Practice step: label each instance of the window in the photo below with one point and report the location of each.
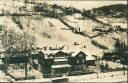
(80, 55)
(63, 62)
(81, 67)
(54, 63)
(77, 61)
(60, 63)
(56, 55)
(83, 61)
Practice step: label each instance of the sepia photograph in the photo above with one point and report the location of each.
(64, 41)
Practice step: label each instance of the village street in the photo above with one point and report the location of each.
(117, 76)
(103, 77)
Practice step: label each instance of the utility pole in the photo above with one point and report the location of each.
(123, 67)
(97, 66)
(25, 36)
(25, 61)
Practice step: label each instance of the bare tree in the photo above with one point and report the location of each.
(13, 42)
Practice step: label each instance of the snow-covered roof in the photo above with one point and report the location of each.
(61, 66)
(76, 52)
(61, 59)
(50, 52)
(90, 57)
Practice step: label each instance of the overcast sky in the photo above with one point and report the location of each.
(87, 4)
(77, 4)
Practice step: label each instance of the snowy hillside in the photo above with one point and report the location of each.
(54, 27)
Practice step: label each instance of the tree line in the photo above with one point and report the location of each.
(13, 42)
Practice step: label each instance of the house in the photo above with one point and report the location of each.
(77, 61)
(55, 63)
(34, 59)
(16, 58)
(45, 62)
(80, 62)
(16, 61)
(46, 67)
(21, 58)
(60, 66)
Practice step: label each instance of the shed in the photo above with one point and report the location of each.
(90, 60)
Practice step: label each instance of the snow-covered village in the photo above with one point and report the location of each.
(63, 41)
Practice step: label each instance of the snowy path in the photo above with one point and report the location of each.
(103, 77)
(117, 76)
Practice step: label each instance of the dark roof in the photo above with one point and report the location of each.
(59, 52)
(78, 52)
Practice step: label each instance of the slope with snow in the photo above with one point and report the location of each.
(49, 33)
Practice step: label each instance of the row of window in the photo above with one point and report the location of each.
(61, 70)
(61, 55)
(80, 61)
(60, 62)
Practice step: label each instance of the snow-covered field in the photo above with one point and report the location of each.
(48, 33)
(103, 77)
(117, 76)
